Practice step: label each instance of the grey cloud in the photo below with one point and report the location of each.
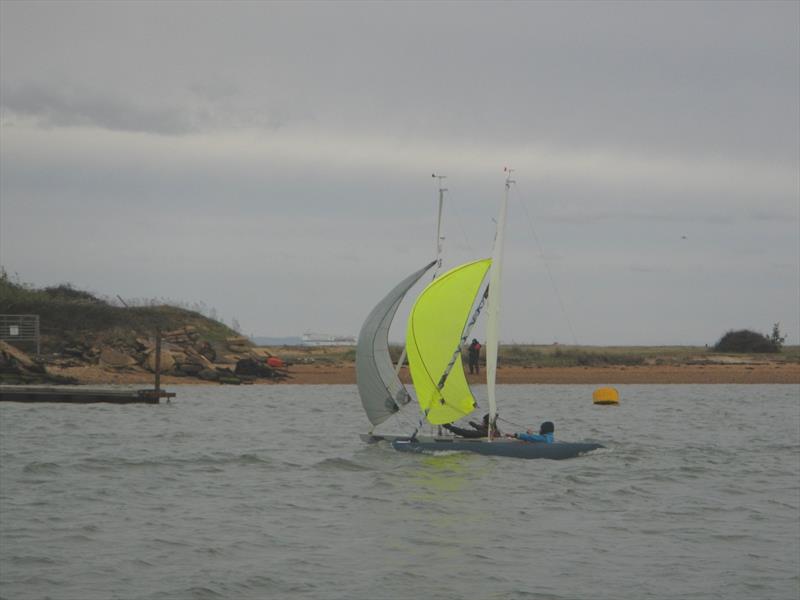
(66, 107)
(205, 108)
(624, 214)
(701, 77)
(214, 90)
(773, 215)
(648, 269)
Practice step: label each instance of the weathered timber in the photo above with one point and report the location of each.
(80, 395)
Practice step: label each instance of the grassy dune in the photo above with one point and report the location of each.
(69, 316)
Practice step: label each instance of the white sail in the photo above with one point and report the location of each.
(380, 388)
(493, 308)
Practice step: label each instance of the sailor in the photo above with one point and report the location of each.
(546, 431)
(478, 430)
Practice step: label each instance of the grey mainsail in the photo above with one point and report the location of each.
(381, 391)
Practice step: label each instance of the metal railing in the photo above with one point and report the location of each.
(20, 328)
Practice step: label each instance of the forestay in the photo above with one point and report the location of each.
(493, 307)
(435, 325)
(381, 391)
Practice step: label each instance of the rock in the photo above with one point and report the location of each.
(17, 368)
(183, 336)
(18, 355)
(173, 333)
(239, 344)
(192, 357)
(115, 359)
(144, 344)
(227, 376)
(245, 366)
(209, 375)
(180, 357)
(255, 367)
(206, 350)
(249, 366)
(167, 362)
(190, 369)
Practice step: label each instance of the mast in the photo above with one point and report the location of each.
(493, 305)
(439, 239)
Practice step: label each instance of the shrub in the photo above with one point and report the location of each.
(776, 337)
(746, 341)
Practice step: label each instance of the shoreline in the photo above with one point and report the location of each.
(345, 374)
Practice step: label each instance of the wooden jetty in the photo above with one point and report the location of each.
(86, 395)
(80, 395)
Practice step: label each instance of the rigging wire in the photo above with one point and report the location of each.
(548, 269)
(517, 425)
(463, 231)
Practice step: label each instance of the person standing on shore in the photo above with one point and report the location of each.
(474, 356)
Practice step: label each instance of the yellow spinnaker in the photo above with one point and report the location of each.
(435, 327)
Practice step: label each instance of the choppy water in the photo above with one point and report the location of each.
(267, 492)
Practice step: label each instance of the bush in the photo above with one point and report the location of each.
(68, 293)
(776, 337)
(746, 341)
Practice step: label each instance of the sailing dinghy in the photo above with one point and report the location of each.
(439, 323)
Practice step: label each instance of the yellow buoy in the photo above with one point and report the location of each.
(605, 395)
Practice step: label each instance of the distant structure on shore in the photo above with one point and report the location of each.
(276, 341)
(324, 339)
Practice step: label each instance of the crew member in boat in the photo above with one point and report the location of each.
(546, 431)
(479, 430)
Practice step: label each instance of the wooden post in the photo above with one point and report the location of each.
(158, 362)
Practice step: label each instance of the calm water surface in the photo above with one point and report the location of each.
(267, 492)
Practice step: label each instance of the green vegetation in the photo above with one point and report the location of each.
(746, 341)
(557, 356)
(68, 316)
(522, 355)
(599, 356)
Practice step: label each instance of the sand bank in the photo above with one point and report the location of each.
(759, 373)
(318, 374)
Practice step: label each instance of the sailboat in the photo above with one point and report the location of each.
(439, 323)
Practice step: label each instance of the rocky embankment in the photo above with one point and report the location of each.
(184, 356)
(17, 367)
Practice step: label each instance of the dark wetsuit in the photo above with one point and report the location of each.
(479, 430)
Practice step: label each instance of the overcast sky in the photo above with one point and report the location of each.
(274, 160)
